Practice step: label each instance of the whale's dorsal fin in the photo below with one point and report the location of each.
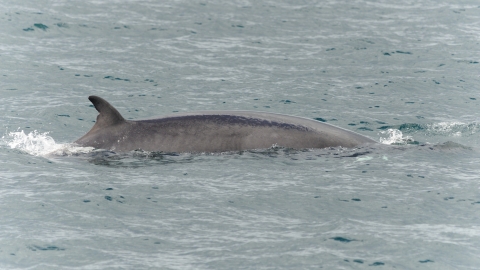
(108, 115)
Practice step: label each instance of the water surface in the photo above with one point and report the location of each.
(402, 73)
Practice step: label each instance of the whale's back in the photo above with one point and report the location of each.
(215, 131)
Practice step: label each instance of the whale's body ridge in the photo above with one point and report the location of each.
(212, 131)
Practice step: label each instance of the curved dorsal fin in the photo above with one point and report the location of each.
(108, 115)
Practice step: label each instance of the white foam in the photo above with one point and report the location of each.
(456, 129)
(395, 136)
(40, 144)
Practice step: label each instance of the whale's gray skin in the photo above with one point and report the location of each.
(212, 131)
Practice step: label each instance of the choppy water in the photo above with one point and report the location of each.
(403, 73)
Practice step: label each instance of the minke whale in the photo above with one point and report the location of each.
(212, 131)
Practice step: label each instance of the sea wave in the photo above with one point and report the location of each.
(403, 134)
(40, 144)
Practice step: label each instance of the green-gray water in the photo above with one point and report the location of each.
(394, 71)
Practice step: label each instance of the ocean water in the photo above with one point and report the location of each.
(404, 73)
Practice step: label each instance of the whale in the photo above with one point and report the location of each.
(212, 131)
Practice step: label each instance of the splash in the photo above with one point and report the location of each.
(395, 136)
(40, 144)
(455, 129)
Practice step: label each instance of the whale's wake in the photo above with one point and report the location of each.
(40, 144)
(395, 137)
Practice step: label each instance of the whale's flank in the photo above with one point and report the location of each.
(212, 131)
